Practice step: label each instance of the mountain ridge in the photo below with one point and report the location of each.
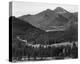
(30, 33)
(49, 17)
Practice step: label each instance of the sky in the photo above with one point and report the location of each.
(23, 8)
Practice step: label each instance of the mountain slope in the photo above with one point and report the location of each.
(23, 29)
(28, 32)
(49, 19)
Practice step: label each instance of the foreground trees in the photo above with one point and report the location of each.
(59, 52)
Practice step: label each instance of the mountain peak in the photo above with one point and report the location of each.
(60, 10)
(48, 10)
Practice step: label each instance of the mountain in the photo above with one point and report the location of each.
(36, 41)
(60, 10)
(23, 29)
(49, 19)
(45, 26)
(75, 14)
(28, 32)
(24, 16)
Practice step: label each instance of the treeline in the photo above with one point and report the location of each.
(23, 51)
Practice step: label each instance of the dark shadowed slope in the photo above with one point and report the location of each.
(23, 29)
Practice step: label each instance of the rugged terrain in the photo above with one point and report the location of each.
(51, 33)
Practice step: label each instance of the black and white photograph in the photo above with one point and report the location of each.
(42, 31)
